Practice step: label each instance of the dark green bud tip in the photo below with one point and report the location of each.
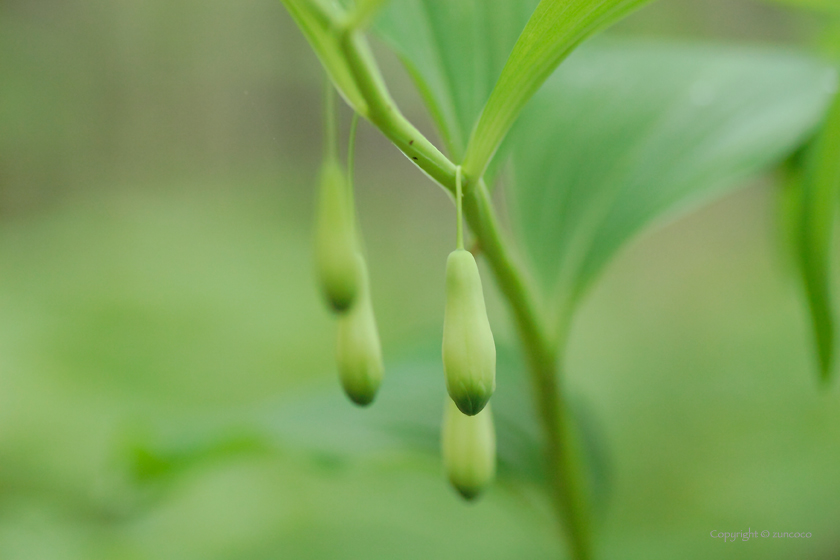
(358, 351)
(469, 352)
(468, 445)
(335, 243)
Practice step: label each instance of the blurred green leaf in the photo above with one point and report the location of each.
(404, 420)
(817, 211)
(147, 462)
(830, 39)
(789, 204)
(627, 132)
(407, 416)
(455, 51)
(554, 30)
(365, 10)
(316, 21)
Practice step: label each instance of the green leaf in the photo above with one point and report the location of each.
(830, 39)
(365, 10)
(317, 22)
(818, 209)
(455, 51)
(627, 132)
(407, 417)
(404, 421)
(554, 30)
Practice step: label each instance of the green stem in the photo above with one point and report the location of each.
(459, 209)
(563, 460)
(569, 495)
(351, 159)
(330, 127)
(540, 349)
(383, 113)
(351, 147)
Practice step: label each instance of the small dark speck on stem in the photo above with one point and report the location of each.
(414, 158)
(411, 142)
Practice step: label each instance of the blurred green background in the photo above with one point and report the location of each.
(157, 162)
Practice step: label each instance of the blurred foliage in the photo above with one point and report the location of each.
(159, 324)
(455, 55)
(818, 186)
(627, 132)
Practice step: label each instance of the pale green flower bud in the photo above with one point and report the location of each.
(469, 352)
(468, 444)
(359, 353)
(335, 242)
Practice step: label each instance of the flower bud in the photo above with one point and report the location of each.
(469, 352)
(468, 444)
(358, 351)
(335, 243)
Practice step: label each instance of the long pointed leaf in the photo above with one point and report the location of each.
(455, 51)
(627, 132)
(405, 419)
(818, 211)
(315, 20)
(554, 30)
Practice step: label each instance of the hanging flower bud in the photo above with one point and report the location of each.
(469, 352)
(335, 240)
(468, 444)
(358, 351)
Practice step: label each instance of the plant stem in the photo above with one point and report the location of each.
(568, 494)
(351, 147)
(540, 349)
(330, 128)
(384, 114)
(351, 165)
(459, 209)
